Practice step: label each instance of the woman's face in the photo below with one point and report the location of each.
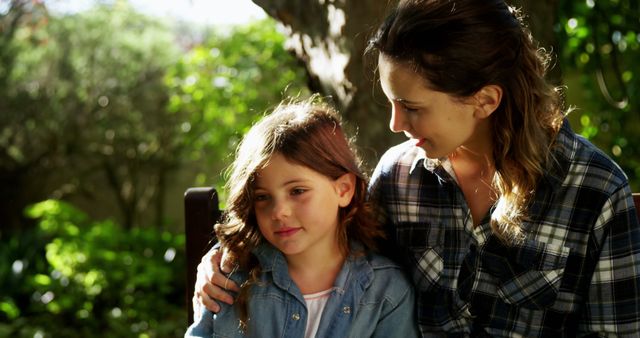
(437, 122)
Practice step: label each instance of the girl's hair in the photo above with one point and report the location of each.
(307, 133)
(459, 47)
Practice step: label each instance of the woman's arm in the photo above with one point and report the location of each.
(211, 282)
(613, 301)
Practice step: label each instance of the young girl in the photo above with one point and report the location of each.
(302, 235)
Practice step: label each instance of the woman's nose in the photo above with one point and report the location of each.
(397, 123)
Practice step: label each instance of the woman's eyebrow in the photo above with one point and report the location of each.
(405, 101)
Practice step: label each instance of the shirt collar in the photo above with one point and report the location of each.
(440, 167)
(356, 264)
(269, 257)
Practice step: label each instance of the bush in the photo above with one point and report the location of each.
(74, 277)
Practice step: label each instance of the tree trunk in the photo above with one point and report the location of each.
(329, 37)
(542, 16)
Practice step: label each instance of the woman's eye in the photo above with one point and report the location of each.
(410, 109)
(297, 191)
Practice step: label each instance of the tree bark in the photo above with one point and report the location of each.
(541, 17)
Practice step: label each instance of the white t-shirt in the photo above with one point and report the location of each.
(315, 306)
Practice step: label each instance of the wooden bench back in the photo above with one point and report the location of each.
(636, 201)
(201, 212)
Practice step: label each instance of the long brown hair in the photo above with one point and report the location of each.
(459, 47)
(307, 133)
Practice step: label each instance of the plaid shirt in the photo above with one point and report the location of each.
(576, 273)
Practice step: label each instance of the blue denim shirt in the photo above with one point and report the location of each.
(371, 298)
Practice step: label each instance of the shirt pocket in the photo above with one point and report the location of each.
(428, 268)
(528, 275)
(424, 245)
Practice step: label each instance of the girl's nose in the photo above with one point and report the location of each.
(397, 123)
(280, 211)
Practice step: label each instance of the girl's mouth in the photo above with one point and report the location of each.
(287, 232)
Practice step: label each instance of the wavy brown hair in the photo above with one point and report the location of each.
(459, 47)
(307, 133)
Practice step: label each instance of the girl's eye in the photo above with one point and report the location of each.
(260, 197)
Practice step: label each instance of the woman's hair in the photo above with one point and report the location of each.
(307, 133)
(459, 47)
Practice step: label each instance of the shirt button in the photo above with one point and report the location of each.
(346, 309)
(295, 316)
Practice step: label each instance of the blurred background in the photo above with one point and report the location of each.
(110, 110)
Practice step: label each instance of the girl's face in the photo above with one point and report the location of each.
(297, 207)
(435, 121)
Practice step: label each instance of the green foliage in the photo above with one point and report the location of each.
(226, 83)
(99, 107)
(90, 278)
(84, 106)
(104, 101)
(599, 53)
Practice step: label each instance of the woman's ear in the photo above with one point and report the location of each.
(345, 188)
(487, 100)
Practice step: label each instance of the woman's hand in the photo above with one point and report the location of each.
(211, 283)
